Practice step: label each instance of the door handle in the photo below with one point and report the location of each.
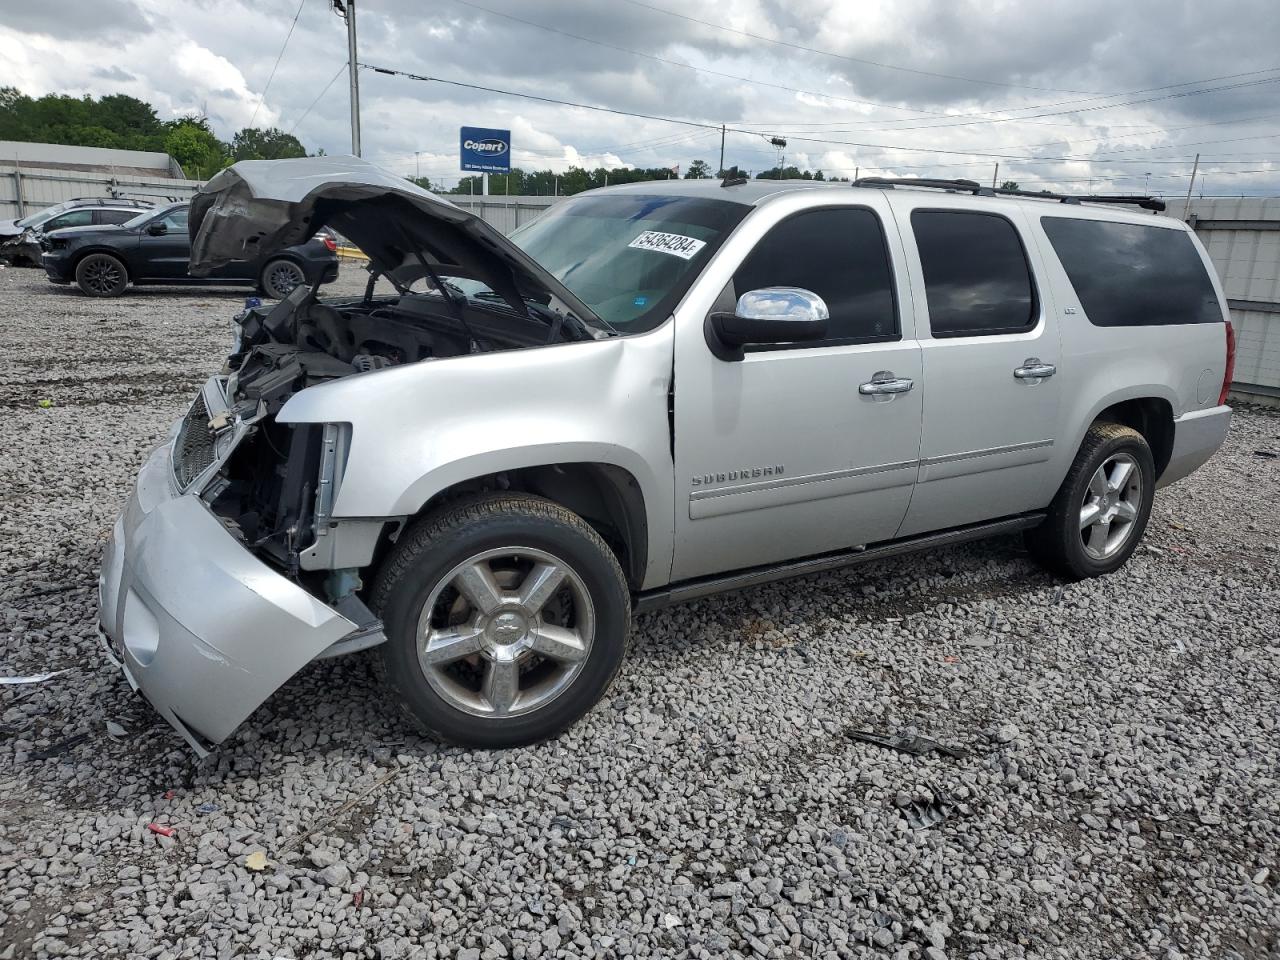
(1034, 369)
(884, 382)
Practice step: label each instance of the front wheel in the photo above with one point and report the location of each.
(507, 618)
(1100, 513)
(101, 275)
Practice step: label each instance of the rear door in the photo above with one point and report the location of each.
(781, 454)
(991, 351)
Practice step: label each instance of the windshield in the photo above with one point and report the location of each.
(47, 213)
(629, 257)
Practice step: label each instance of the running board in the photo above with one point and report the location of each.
(707, 586)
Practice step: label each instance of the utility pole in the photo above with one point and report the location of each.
(1195, 168)
(417, 165)
(995, 176)
(347, 9)
(721, 171)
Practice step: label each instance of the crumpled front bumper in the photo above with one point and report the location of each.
(202, 627)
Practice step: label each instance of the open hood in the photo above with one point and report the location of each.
(256, 207)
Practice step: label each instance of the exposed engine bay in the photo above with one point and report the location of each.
(275, 489)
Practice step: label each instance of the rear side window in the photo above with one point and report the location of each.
(1130, 275)
(840, 254)
(114, 216)
(976, 276)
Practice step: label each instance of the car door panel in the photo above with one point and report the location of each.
(780, 455)
(164, 256)
(988, 438)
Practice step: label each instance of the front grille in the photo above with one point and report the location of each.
(195, 450)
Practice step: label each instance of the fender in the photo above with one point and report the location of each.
(418, 429)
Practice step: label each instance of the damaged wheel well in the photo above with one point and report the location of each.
(605, 496)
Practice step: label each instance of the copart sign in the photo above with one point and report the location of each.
(485, 150)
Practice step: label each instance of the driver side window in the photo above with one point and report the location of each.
(839, 253)
(175, 221)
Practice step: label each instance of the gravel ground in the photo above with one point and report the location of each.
(1117, 795)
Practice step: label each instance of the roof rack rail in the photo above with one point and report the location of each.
(978, 190)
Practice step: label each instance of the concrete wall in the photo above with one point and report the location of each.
(1242, 235)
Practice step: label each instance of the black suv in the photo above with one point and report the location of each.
(154, 247)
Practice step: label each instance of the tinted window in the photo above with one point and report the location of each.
(115, 216)
(976, 276)
(73, 218)
(838, 253)
(1126, 274)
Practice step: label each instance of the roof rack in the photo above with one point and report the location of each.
(978, 190)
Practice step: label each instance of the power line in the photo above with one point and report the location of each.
(297, 122)
(753, 133)
(861, 60)
(275, 66)
(686, 66)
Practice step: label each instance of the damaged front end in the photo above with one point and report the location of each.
(232, 565)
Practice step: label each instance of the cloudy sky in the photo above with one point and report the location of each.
(1093, 93)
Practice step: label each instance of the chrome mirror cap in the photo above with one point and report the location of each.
(782, 303)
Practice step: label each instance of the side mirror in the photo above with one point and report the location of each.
(770, 315)
(157, 229)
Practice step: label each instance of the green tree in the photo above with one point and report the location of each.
(194, 146)
(253, 143)
(698, 170)
(1009, 185)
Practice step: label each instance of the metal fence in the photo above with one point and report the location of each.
(1242, 236)
(505, 213)
(25, 190)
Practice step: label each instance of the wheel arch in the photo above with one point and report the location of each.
(114, 252)
(607, 496)
(1150, 416)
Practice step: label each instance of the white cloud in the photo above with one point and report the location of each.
(187, 58)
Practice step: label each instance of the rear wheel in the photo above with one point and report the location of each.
(279, 277)
(506, 617)
(1099, 515)
(101, 275)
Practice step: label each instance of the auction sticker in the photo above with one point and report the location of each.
(686, 248)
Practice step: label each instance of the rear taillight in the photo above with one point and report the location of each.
(330, 243)
(1231, 363)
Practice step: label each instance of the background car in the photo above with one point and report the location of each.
(155, 248)
(20, 239)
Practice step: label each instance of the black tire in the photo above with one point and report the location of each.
(101, 275)
(1060, 542)
(421, 563)
(280, 276)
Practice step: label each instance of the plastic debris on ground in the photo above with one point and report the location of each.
(31, 678)
(914, 745)
(161, 830)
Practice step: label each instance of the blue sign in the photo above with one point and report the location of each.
(486, 151)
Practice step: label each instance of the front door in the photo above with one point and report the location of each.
(781, 455)
(991, 352)
(165, 255)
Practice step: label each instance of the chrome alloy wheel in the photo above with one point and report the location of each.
(505, 632)
(1111, 506)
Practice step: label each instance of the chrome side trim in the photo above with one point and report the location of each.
(804, 478)
(760, 495)
(969, 462)
(986, 452)
(742, 579)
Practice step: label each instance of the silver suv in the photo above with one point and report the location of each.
(651, 393)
